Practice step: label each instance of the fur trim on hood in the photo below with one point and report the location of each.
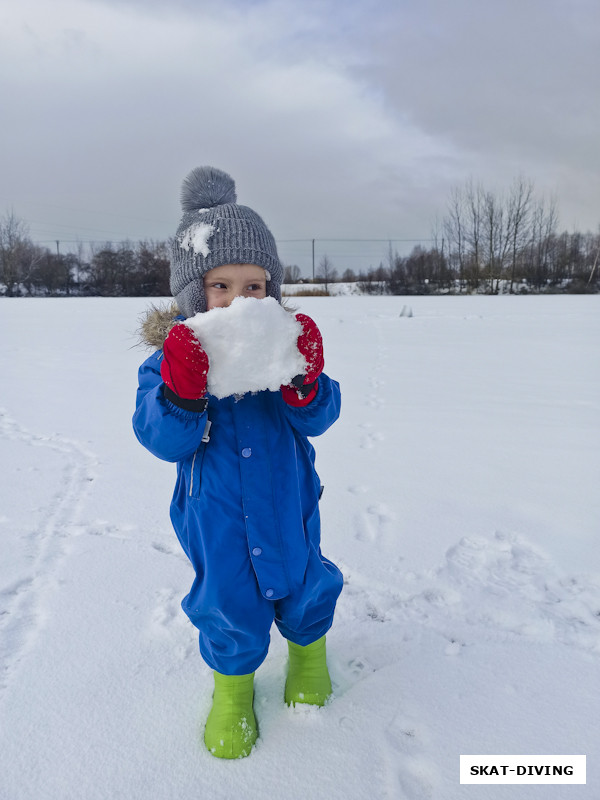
(157, 323)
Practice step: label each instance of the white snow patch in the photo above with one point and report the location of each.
(461, 503)
(251, 346)
(196, 238)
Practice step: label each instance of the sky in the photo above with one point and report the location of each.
(337, 120)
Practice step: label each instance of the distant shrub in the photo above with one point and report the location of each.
(582, 287)
(305, 293)
(373, 287)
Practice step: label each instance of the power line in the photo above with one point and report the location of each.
(342, 239)
(301, 251)
(278, 241)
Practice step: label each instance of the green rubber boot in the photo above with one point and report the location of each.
(308, 678)
(231, 728)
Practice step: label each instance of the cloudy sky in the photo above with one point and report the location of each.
(338, 119)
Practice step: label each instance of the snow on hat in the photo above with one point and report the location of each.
(213, 231)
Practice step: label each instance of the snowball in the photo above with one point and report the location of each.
(196, 237)
(251, 346)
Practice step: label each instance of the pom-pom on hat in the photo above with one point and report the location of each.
(213, 231)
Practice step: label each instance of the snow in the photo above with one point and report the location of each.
(334, 289)
(196, 237)
(461, 502)
(251, 346)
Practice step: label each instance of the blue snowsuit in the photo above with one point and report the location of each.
(245, 510)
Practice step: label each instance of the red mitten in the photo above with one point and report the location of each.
(304, 388)
(185, 364)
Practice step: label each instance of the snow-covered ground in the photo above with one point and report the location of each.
(334, 289)
(461, 501)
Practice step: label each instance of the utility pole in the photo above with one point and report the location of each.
(313, 259)
(594, 267)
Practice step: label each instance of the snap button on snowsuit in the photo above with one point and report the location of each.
(256, 551)
(247, 452)
(269, 593)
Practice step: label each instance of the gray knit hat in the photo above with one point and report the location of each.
(213, 231)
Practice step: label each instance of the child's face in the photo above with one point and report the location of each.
(222, 284)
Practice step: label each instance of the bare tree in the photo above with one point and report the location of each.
(454, 228)
(291, 274)
(474, 197)
(18, 254)
(463, 228)
(325, 272)
(489, 234)
(519, 221)
(497, 236)
(543, 229)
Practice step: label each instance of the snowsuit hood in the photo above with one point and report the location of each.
(156, 324)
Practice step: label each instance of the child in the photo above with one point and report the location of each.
(245, 506)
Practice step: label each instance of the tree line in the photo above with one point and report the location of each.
(486, 242)
(125, 269)
(568, 262)
(512, 239)
(490, 242)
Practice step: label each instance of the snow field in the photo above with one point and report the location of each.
(460, 502)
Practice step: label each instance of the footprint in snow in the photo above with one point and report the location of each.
(370, 440)
(168, 550)
(46, 546)
(168, 623)
(351, 489)
(345, 675)
(374, 400)
(373, 522)
(503, 583)
(408, 765)
(109, 530)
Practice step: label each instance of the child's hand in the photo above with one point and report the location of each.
(185, 364)
(310, 344)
